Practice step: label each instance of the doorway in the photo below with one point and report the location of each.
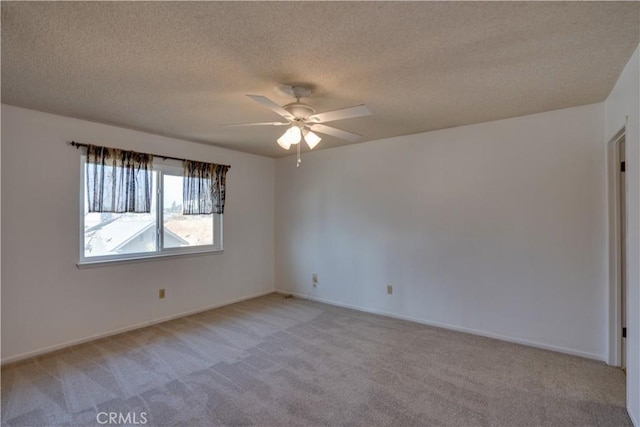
(617, 250)
(623, 252)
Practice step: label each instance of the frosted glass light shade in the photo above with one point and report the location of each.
(291, 136)
(284, 144)
(311, 138)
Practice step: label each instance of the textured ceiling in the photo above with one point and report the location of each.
(182, 68)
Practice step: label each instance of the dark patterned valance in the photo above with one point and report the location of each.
(118, 181)
(204, 188)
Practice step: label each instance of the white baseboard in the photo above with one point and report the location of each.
(526, 342)
(633, 420)
(45, 350)
(313, 298)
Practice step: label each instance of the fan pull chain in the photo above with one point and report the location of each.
(299, 161)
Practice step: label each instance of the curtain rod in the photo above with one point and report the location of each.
(78, 145)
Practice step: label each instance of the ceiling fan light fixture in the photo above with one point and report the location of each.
(291, 136)
(302, 119)
(311, 138)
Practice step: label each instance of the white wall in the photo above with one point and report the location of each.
(497, 228)
(624, 104)
(47, 301)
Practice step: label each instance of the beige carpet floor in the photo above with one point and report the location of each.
(278, 362)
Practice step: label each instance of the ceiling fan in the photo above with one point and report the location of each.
(303, 120)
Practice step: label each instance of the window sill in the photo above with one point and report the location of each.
(155, 257)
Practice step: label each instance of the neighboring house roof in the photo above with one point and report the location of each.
(114, 234)
(197, 230)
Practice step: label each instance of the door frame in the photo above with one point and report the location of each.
(615, 283)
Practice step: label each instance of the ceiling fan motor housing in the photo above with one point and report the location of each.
(300, 110)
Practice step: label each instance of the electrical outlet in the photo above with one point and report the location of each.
(161, 294)
(314, 279)
(390, 289)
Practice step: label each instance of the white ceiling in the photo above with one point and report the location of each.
(182, 68)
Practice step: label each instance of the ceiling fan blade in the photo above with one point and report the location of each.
(342, 134)
(254, 124)
(344, 113)
(272, 105)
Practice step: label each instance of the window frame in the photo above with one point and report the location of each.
(160, 170)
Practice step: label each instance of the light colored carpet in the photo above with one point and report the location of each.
(277, 362)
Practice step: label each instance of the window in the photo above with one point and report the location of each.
(164, 231)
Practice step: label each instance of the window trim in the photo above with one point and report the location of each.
(161, 253)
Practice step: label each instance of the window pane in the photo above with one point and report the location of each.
(120, 233)
(183, 230)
